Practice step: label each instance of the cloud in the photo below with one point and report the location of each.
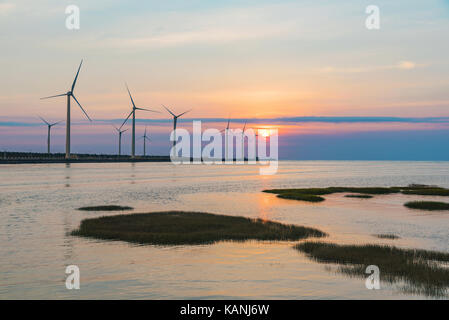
(6, 7)
(402, 65)
(407, 65)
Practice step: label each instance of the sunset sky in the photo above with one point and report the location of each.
(271, 62)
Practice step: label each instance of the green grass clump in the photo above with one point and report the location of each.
(428, 192)
(427, 205)
(106, 208)
(422, 271)
(423, 189)
(361, 196)
(179, 227)
(312, 194)
(386, 236)
(299, 196)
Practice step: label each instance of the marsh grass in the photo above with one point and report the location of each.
(106, 208)
(427, 205)
(361, 196)
(424, 272)
(386, 236)
(179, 227)
(313, 194)
(299, 196)
(428, 192)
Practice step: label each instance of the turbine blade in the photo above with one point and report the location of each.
(126, 118)
(124, 130)
(169, 111)
(244, 127)
(53, 124)
(82, 108)
(43, 120)
(134, 106)
(58, 95)
(147, 110)
(184, 113)
(76, 77)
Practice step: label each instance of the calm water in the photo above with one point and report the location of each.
(38, 208)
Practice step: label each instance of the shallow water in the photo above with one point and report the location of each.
(38, 208)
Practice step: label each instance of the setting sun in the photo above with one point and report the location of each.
(264, 132)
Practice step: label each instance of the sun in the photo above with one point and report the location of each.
(264, 132)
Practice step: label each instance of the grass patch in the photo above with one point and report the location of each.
(428, 192)
(179, 227)
(302, 197)
(427, 205)
(106, 208)
(361, 196)
(422, 271)
(386, 236)
(313, 194)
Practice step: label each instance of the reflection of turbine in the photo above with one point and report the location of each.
(145, 138)
(133, 112)
(119, 139)
(175, 120)
(69, 94)
(48, 133)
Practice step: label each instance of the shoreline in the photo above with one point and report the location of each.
(111, 160)
(42, 158)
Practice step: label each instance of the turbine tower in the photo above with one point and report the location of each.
(243, 141)
(69, 95)
(175, 121)
(48, 134)
(145, 138)
(133, 113)
(119, 139)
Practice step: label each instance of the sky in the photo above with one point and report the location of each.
(311, 69)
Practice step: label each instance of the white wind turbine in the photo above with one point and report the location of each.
(120, 132)
(175, 121)
(69, 95)
(226, 131)
(145, 138)
(133, 113)
(49, 125)
(243, 141)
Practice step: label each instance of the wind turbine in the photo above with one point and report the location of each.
(133, 112)
(48, 134)
(175, 120)
(243, 141)
(145, 138)
(226, 130)
(119, 139)
(69, 95)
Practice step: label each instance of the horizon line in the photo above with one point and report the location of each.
(300, 119)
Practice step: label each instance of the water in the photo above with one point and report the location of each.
(38, 209)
